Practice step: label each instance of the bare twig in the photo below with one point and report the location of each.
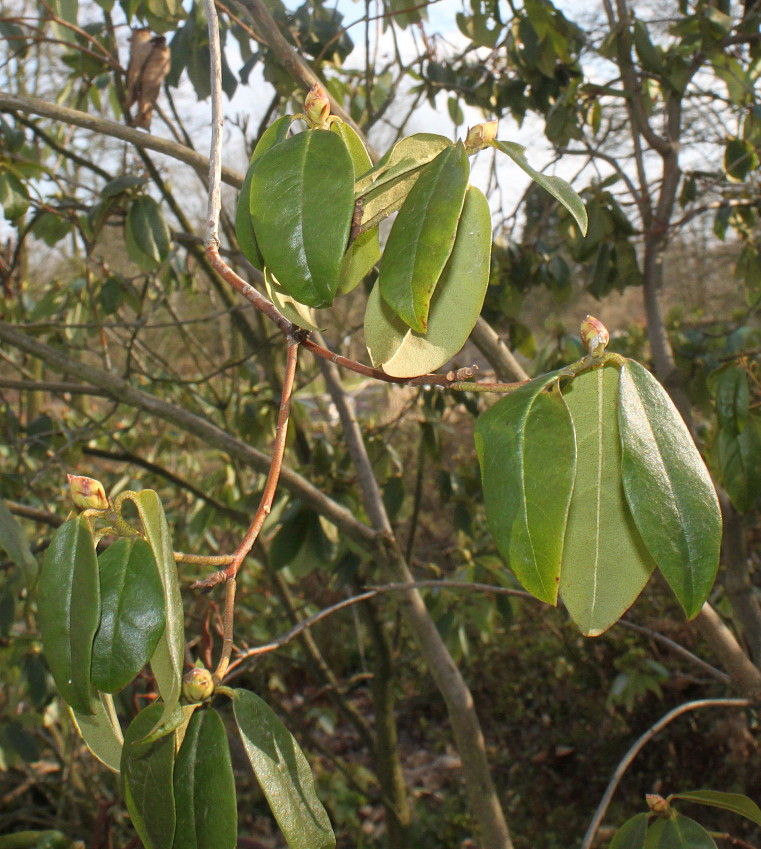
(637, 747)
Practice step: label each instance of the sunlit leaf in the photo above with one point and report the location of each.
(422, 237)
(204, 786)
(455, 305)
(734, 802)
(302, 202)
(294, 311)
(526, 447)
(605, 562)
(69, 610)
(283, 774)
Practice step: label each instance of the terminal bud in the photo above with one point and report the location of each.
(481, 136)
(594, 335)
(197, 685)
(87, 493)
(317, 106)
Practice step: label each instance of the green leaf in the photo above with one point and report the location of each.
(132, 617)
(740, 159)
(384, 187)
(147, 769)
(556, 186)
(244, 228)
(455, 305)
(632, 834)
(204, 787)
(146, 235)
(302, 202)
(283, 774)
(526, 447)
(678, 832)
(739, 459)
(364, 251)
(668, 488)
(14, 198)
(13, 540)
(299, 314)
(168, 658)
(649, 55)
(734, 802)
(101, 732)
(69, 610)
(605, 562)
(422, 237)
(732, 398)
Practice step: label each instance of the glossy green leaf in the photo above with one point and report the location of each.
(283, 774)
(132, 613)
(739, 458)
(605, 562)
(302, 203)
(298, 313)
(204, 787)
(678, 832)
(147, 770)
(168, 658)
(364, 250)
(734, 802)
(146, 235)
(732, 398)
(69, 610)
(384, 188)
(455, 305)
(527, 450)
(557, 187)
(13, 540)
(101, 732)
(632, 834)
(244, 228)
(668, 488)
(422, 237)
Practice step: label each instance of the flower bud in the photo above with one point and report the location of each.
(197, 685)
(481, 136)
(317, 106)
(656, 803)
(594, 335)
(87, 493)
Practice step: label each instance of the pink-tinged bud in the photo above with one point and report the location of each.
(594, 335)
(317, 106)
(197, 685)
(657, 804)
(481, 136)
(87, 493)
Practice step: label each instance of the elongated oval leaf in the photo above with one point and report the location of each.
(422, 237)
(146, 234)
(204, 787)
(244, 228)
(69, 610)
(632, 834)
(101, 732)
(147, 769)
(735, 802)
(732, 398)
(557, 187)
(668, 488)
(168, 658)
(455, 305)
(678, 832)
(739, 458)
(363, 251)
(132, 613)
(13, 540)
(605, 562)
(283, 773)
(527, 450)
(302, 202)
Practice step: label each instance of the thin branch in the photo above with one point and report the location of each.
(217, 124)
(637, 747)
(102, 126)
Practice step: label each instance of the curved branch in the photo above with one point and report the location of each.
(66, 115)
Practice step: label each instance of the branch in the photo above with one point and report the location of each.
(500, 357)
(66, 115)
(745, 676)
(637, 747)
(209, 433)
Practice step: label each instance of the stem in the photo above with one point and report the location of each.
(637, 747)
(214, 205)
